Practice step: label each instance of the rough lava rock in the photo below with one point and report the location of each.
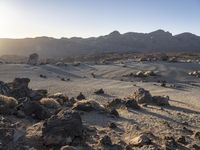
(62, 129)
(34, 109)
(88, 105)
(4, 88)
(80, 96)
(142, 96)
(161, 100)
(19, 88)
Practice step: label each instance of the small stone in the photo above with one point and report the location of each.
(106, 141)
(170, 143)
(114, 112)
(196, 147)
(140, 140)
(132, 104)
(67, 147)
(116, 147)
(182, 140)
(197, 135)
(112, 125)
(80, 96)
(100, 91)
(43, 76)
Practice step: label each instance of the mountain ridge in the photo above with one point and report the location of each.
(156, 41)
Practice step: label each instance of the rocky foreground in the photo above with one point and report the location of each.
(37, 120)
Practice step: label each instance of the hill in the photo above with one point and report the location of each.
(157, 41)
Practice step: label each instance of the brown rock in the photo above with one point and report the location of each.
(63, 128)
(142, 96)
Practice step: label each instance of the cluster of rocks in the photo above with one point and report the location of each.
(56, 127)
(57, 121)
(141, 74)
(143, 96)
(195, 73)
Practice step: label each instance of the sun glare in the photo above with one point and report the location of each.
(8, 17)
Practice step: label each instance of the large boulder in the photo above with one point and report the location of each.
(62, 129)
(33, 59)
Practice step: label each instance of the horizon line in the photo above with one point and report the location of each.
(63, 37)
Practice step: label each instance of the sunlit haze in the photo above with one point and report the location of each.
(85, 18)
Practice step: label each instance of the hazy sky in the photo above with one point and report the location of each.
(67, 18)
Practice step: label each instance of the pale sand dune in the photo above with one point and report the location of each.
(108, 77)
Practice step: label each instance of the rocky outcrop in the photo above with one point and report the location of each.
(33, 59)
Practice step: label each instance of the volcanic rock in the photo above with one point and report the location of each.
(161, 100)
(142, 96)
(34, 109)
(140, 140)
(131, 103)
(62, 129)
(4, 88)
(100, 91)
(80, 96)
(33, 59)
(88, 105)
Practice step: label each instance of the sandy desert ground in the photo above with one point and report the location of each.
(180, 119)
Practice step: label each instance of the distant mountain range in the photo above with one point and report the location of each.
(157, 41)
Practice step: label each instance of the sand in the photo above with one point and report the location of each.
(184, 95)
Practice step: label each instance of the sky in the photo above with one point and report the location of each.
(86, 18)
